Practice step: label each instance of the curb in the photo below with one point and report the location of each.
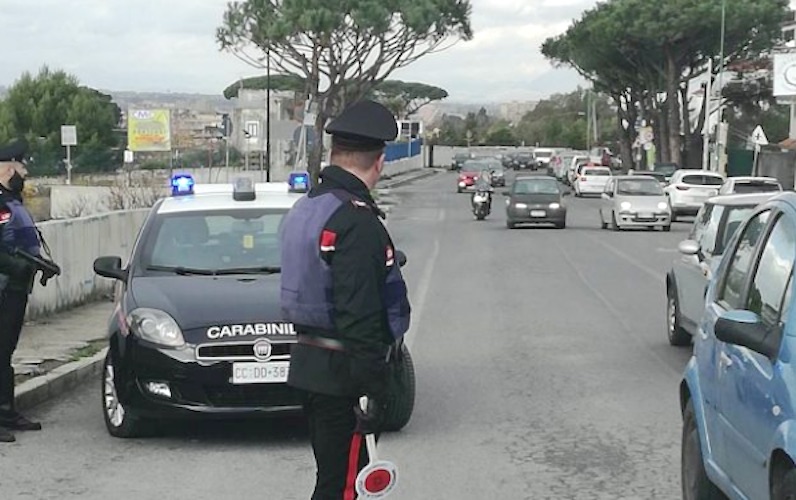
(62, 379)
(400, 182)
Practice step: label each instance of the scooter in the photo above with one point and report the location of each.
(481, 204)
(379, 477)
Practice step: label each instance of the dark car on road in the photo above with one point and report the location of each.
(524, 160)
(198, 329)
(459, 159)
(498, 174)
(536, 200)
(667, 169)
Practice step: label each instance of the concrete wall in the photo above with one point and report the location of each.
(75, 243)
(778, 164)
(443, 155)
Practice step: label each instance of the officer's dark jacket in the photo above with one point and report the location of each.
(358, 257)
(15, 273)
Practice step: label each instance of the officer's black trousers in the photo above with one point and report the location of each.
(339, 453)
(12, 316)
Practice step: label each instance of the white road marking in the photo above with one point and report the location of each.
(651, 272)
(421, 291)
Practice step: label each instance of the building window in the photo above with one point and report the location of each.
(252, 129)
(788, 35)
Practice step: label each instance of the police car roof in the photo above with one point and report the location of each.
(218, 197)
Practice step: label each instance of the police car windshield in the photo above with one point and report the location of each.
(216, 243)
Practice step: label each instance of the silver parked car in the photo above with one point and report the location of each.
(688, 279)
(634, 201)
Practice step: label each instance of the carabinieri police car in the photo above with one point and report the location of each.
(197, 327)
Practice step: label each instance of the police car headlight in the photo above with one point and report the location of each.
(625, 206)
(663, 206)
(155, 326)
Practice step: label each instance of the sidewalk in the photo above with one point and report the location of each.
(58, 352)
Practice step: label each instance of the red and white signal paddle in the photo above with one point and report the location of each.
(379, 477)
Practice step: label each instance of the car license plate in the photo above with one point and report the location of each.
(271, 372)
(538, 213)
(646, 216)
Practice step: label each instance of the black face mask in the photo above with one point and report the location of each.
(16, 184)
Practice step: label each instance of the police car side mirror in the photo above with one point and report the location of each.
(401, 258)
(110, 267)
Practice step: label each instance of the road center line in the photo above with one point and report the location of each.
(613, 311)
(647, 270)
(419, 301)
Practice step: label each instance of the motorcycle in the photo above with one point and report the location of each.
(482, 201)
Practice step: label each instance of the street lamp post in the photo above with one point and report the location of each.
(268, 115)
(719, 145)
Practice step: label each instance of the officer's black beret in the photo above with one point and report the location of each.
(363, 126)
(15, 151)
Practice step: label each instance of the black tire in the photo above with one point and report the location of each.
(613, 224)
(784, 488)
(603, 224)
(561, 225)
(120, 421)
(666, 229)
(675, 333)
(459, 190)
(401, 402)
(695, 482)
(674, 216)
(510, 224)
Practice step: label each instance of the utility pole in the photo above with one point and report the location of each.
(588, 120)
(706, 130)
(719, 143)
(268, 115)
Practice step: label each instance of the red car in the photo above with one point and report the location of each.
(468, 175)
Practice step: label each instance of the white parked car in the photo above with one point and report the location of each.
(688, 190)
(592, 180)
(744, 185)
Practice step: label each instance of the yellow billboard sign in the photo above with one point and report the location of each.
(149, 130)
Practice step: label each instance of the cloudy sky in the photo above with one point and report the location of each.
(169, 45)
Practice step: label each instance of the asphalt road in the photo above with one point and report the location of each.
(543, 373)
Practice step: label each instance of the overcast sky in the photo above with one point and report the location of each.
(169, 45)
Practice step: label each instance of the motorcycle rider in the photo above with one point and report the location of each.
(483, 184)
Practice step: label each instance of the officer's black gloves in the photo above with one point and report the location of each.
(370, 420)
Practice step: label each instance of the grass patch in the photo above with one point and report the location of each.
(91, 349)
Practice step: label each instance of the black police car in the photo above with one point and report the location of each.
(197, 329)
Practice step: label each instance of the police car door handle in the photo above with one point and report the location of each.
(725, 360)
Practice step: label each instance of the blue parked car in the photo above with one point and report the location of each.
(738, 396)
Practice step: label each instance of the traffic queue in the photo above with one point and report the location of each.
(729, 297)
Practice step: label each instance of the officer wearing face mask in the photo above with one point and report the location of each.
(17, 231)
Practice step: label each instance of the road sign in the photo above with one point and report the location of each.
(128, 156)
(68, 135)
(759, 137)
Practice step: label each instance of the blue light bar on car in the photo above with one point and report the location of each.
(182, 185)
(299, 182)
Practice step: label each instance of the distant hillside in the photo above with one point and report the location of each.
(197, 102)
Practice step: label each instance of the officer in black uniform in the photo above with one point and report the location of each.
(338, 260)
(16, 279)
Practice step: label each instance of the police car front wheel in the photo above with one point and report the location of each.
(401, 402)
(119, 420)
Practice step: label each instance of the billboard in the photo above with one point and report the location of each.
(149, 130)
(785, 75)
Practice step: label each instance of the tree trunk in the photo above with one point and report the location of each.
(686, 114)
(661, 129)
(672, 70)
(314, 156)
